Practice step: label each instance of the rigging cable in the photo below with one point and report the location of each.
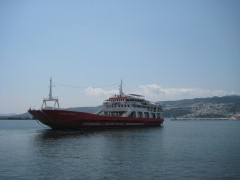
(82, 87)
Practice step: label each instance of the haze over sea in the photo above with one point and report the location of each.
(178, 150)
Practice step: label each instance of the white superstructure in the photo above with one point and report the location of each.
(131, 105)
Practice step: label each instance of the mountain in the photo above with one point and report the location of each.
(28, 115)
(215, 99)
(214, 107)
(10, 114)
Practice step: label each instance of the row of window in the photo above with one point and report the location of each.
(114, 106)
(133, 100)
(134, 114)
(117, 100)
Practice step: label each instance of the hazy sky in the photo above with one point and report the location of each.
(163, 49)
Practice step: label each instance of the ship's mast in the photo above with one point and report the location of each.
(50, 89)
(120, 89)
(50, 98)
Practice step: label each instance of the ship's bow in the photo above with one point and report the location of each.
(42, 117)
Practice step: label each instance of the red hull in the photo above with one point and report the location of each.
(62, 119)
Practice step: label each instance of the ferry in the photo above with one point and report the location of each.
(120, 110)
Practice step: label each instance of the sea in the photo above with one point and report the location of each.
(180, 149)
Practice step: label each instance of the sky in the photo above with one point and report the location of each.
(162, 49)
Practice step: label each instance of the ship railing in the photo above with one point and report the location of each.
(99, 111)
(126, 114)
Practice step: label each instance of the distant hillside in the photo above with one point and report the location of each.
(11, 114)
(16, 116)
(216, 107)
(28, 115)
(215, 99)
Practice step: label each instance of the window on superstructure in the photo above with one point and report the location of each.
(140, 114)
(146, 114)
(153, 115)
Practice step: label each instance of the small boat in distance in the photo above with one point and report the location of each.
(118, 111)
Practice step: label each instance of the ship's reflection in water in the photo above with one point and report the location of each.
(50, 134)
(61, 134)
(97, 153)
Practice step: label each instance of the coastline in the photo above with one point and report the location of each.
(172, 119)
(15, 118)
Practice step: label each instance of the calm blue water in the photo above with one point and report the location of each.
(179, 150)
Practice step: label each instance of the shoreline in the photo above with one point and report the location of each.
(200, 119)
(172, 119)
(16, 118)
